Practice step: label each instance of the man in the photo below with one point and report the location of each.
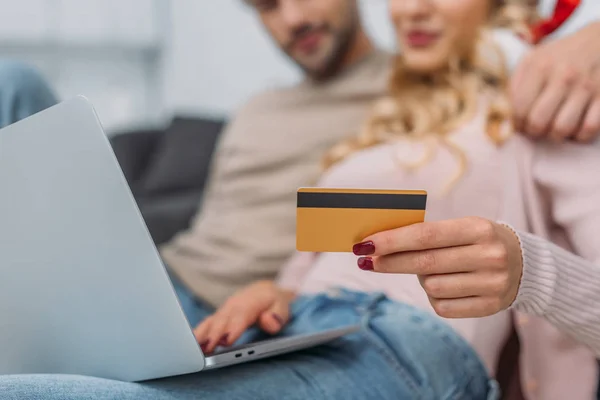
(246, 229)
(22, 92)
(556, 88)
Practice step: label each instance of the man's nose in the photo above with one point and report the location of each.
(293, 13)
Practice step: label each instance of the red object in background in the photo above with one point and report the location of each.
(563, 10)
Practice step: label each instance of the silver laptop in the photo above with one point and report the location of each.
(82, 287)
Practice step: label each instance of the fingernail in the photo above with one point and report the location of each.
(223, 342)
(204, 345)
(364, 249)
(365, 263)
(278, 319)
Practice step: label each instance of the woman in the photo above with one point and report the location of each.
(443, 129)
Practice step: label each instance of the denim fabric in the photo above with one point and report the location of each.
(23, 92)
(402, 353)
(194, 309)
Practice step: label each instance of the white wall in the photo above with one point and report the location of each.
(587, 12)
(142, 60)
(217, 54)
(107, 50)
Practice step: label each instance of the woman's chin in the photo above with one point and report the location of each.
(422, 64)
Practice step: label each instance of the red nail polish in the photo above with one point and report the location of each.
(224, 342)
(364, 249)
(365, 263)
(278, 319)
(204, 345)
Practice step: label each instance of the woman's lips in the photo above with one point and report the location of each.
(421, 38)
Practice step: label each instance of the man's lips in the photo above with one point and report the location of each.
(421, 38)
(308, 42)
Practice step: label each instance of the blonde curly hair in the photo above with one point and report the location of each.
(431, 106)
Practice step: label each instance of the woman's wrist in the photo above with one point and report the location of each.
(539, 275)
(289, 295)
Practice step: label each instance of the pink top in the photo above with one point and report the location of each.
(547, 190)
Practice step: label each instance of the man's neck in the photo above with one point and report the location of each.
(361, 47)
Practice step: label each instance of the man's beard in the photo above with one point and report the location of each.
(343, 40)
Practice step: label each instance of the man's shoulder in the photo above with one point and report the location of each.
(269, 97)
(273, 100)
(368, 76)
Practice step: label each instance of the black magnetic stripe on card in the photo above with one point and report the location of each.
(362, 200)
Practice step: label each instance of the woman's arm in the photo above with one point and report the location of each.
(472, 267)
(293, 273)
(556, 284)
(264, 303)
(562, 288)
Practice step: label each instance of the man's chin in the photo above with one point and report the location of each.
(320, 71)
(320, 65)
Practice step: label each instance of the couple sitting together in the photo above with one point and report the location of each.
(437, 300)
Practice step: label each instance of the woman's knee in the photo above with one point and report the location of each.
(431, 352)
(68, 387)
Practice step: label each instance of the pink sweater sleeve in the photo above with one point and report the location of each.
(293, 273)
(562, 287)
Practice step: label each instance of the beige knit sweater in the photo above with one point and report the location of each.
(246, 228)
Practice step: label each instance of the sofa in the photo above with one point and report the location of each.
(167, 170)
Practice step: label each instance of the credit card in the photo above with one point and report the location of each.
(334, 220)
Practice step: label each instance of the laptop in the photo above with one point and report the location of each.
(82, 287)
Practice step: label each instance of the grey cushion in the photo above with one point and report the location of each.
(167, 215)
(133, 151)
(183, 157)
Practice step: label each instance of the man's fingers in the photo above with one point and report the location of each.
(467, 307)
(590, 128)
(427, 235)
(570, 117)
(526, 85)
(459, 285)
(540, 119)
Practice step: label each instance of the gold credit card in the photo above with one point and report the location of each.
(334, 220)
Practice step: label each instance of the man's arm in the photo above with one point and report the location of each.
(556, 88)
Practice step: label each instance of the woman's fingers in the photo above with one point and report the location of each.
(238, 313)
(201, 332)
(217, 333)
(238, 324)
(275, 318)
(427, 235)
(467, 307)
(428, 262)
(440, 261)
(455, 286)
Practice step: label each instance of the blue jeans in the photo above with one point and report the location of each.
(194, 309)
(402, 353)
(23, 92)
